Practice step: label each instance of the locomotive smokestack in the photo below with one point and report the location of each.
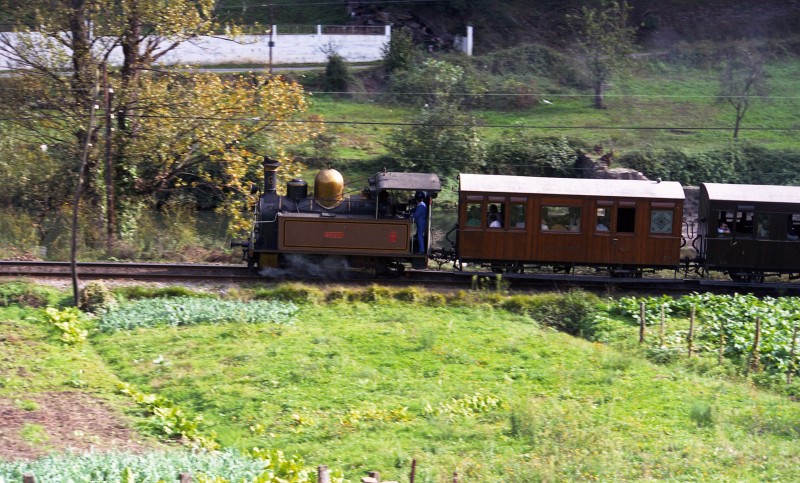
(270, 175)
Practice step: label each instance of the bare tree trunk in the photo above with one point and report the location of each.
(599, 102)
(111, 212)
(76, 205)
(739, 117)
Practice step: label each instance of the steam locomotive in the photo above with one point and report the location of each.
(516, 223)
(371, 229)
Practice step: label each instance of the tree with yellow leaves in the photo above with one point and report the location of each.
(157, 132)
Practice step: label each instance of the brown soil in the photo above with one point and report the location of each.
(63, 421)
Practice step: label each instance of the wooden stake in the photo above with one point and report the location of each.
(754, 363)
(792, 363)
(641, 323)
(690, 336)
(323, 476)
(413, 471)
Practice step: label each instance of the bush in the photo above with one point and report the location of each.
(737, 163)
(572, 313)
(295, 293)
(338, 78)
(399, 53)
(521, 156)
(96, 297)
(25, 295)
(139, 292)
(442, 139)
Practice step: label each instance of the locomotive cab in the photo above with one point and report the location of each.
(368, 228)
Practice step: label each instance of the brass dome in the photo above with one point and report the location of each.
(329, 188)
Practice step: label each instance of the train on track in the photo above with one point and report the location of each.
(623, 228)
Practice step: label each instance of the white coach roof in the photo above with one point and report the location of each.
(613, 188)
(752, 193)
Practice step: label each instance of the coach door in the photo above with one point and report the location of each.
(623, 239)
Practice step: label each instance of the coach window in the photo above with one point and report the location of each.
(497, 212)
(724, 224)
(561, 218)
(661, 215)
(743, 221)
(626, 217)
(793, 227)
(516, 215)
(763, 226)
(474, 212)
(603, 217)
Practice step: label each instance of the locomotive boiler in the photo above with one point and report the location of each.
(368, 229)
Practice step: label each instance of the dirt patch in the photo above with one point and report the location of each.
(58, 421)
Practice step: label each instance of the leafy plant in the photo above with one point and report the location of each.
(70, 322)
(181, 311)
(466, 406)
(170, 421)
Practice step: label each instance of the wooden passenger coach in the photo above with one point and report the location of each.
(750, 230)
(622, 225)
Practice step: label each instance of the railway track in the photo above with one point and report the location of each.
(134, 271)
(166, 272)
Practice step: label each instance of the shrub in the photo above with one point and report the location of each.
(338, 78)
(25, 295)
(701, 414)
(407, 294)
(295, 293)
(518, 155)
(140, 292)
(573, 312)
(96, 297)
(399, 53)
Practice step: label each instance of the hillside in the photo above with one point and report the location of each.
(478, 383)
(505, 23)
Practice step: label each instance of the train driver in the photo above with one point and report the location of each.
(420, 217)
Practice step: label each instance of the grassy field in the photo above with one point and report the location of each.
(370, 380)
(658, 105)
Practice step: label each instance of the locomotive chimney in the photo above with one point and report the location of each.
(270, 175)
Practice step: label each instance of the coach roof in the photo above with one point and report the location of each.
(407, 181)
(612, 188)
(752, 193)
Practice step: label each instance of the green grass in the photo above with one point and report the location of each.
(327, 389)
(460, 386)
(676, 100)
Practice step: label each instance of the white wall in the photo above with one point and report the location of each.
(254, 49)
(288, 49)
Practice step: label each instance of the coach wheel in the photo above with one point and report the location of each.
(748, 277)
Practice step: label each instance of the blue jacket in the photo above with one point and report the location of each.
(420, 215)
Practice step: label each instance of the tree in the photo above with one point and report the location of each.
(604, 41)
(337, 77)
(399, 52)
(442, 138)
(172, 132)
(741, 78)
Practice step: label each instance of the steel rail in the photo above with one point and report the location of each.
(486, 281)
